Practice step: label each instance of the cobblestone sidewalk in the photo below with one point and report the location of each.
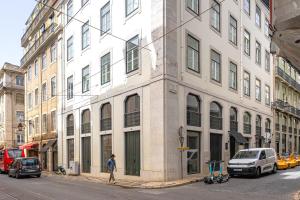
(128, 183)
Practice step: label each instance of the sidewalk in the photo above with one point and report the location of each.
(128, 183)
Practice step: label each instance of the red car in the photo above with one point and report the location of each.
(7, 157)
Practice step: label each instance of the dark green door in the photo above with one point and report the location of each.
(216, 148)
(86, 154)
(132, 153)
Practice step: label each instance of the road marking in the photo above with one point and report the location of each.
(291, 175)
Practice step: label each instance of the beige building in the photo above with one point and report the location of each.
(41, 43)
(205, 82)
(286, 107)
(11, 106)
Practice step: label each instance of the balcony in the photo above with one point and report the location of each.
(283, 128)
(290, 129)
(258, 130)
(40, 42)
(105, 124)
(36, 22)
(234, 126)
(70, 130)
(247, 128)
(288, 79)
(295, 131)
(86, 128)
(267, 130)
(277, 127)
(216, 123)
(132, 119)
(193, 119)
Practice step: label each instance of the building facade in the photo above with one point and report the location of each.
(42, 49)
(160, 74)
(11, 106)
(286, 107)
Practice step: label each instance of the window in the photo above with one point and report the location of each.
(215, 116)
(132, 54)
(258, 53)
(106, 151)
(69, 10)
(258, 16)
(86, 79)
(70, 125)
(258, 121)
(258, 90)
(29, 73)
(193, 111)
(247, 42)
(233, 76)
(44, 123)
(36, 96)
(20, 138)
(20, 80)
(246, 83)
(266, 27)
(215, 15)
(131, 6)
(70, 53)
(53, 52)
(20, 116)
(193, 5)
(44, 60)
(86, 121)
(36, 68)
(85, 35)
(233, 30)
(70, 146)
(20, 99)
(193, 54)
(105, 117)
(53, 120)
(44, 92)
(267, 61)
(70, 87)
(105, 69)
(53, 86)
(36, 125)
(215, 66)
(132, 111)
(267, 95)
(233, 119)
(83, 2)
(105, 18)
(247, 123)
(29, 100)
(246, 6)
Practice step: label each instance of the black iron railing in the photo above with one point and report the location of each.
(283, 128)
(247, 128)
(216, 123)
(258, 130)
(86, 128)
(105, 124)
(290, 129)
(70, 130)
(234, 126)
(132, 119)
(277, 127)
(193, 119)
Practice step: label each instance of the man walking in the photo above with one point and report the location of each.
(111, 166)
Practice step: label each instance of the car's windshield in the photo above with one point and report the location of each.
(14, 153)
(30, 162)
(246, 155)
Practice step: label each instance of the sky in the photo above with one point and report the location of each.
(13, 15)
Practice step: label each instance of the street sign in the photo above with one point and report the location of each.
(183, 148)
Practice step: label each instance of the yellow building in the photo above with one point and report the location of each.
(41, 43)
(286, 107)
(11, 106)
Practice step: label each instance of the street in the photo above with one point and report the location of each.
(280, 186)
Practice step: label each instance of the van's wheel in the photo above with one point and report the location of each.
(274, 169)
(258, 172)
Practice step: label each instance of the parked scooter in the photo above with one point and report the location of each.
(216, 176)
(60, 171)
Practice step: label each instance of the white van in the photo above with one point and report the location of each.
(254, 161)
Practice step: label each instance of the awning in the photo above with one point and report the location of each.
(29, 146)
(47, 146)
(239, 138)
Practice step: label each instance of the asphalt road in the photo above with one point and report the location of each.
(280, 186)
